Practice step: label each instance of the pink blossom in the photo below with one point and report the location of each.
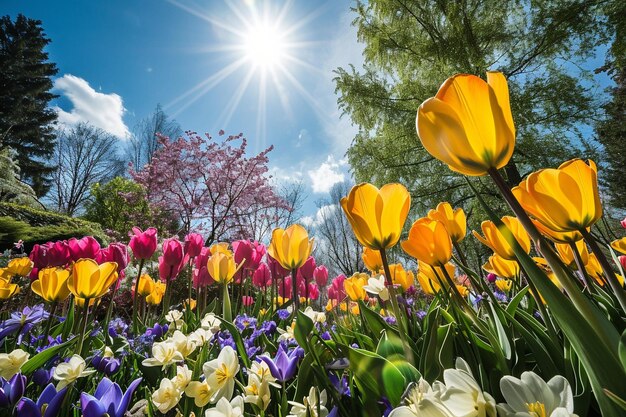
(87, 247)
(143, 244)
(623, 223)
(247, 300)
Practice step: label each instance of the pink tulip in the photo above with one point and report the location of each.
(58, 254)
(623, 223)
(491, 277)
(39, 256)
(262, 277)
(257, 254)
(321, 276)
(622, 260)
(87, 248)
(275, 268)
(117, 252)
(242, 252)
(284, 287)
(201, 276)
(194, 242)
(168, 272)
(314, 291)
(173, 253)
(307, 269)
(143, 244)
(247, 300)
(336, 290)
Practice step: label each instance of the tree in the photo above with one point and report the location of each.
(211, 186)
(144, 142)
(12, 189)
(121, 204)
(337, 246)
(85, 155)
(411, 47)
(26, 121)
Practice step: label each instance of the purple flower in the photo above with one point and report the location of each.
(420, 314)
(500, 296)
(42, 376)
(12, 390)
(22, 322)
(283, 314)
(50, 400)
(244, 321)
(157, 331)
(268, 327)
(106, 364)
(283, 366)
(325, 336)
(108, 399)
(390, 319)
(341, 385)
(117, 327)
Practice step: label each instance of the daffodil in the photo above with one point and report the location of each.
(257, 392)
(163, 354)
(200, 391)
(167, 396)
(11, 363)
(70, 371)
(182, 377)
(468, 124)
(221, 372)
(313, 405)
(531, 396)
(377, 216)
(225, 408)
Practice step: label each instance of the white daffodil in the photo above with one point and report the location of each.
(175, 317)
(315, 316)
(224, 408)
(463, 396)
(200, 391)
(211, 322)
(68, 372)
(220, 373)
(167, 396)
(163, 354)
(201, 337)
(422, 400)
(287, 334)
(11, 363)
(182, 378)
(257, 392)
(376, 286)
(182, 343)
(262, 371)
(531, 396)
(313, 405)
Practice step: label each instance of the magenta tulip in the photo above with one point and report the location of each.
(321, 276)
(242, 252)
(336, 290)
(58, 254)
(314, 291)
(307, 269)
(143, 244)
(623, 223)
(262, 277)
(87, 248)
(201, 276)
(275, 268)
(194, 242)
(173, 253)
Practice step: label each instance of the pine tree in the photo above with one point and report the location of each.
(26, 121)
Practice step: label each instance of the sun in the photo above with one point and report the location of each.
(264, 46)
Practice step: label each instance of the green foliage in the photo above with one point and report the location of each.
(410, 48)
(26, 120)
(120, 204)
(11, 188)
(39, 226)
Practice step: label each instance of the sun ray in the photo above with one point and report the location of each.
(233, 103)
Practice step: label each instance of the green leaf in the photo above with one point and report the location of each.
(502, 336)
(40, 359)
(304, 327)
(241, 348)
(622, 349)
(370, 369)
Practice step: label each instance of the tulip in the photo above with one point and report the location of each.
(429, 242)
(431, 282)
(321, 276)
(11, 391)
(242, 252)
(623, 223)
(468, 124)
(201, 276)
(498, 243)
(314, 291)
(377, 216)
(222, 267)
(453, 219)
(372, 260)
(172, 252)
(291, 247)
(146, 285)
(194, 242)
(8, 290)
(108, 399)
(58, 253)
(276, 269)
(622, 261)
(353, 286)
(567, 255)
(90, 280)
(143, 244)
(156, 296)
(118, 253)
(220, 247)
(501, 267)
(283, 367)
(558, 237)
(401, 277)
(336, 290)
(619, 245)
(261, 277)
(52, 284)
(307, 269)
(504, 285)
(19, 266)
(491, 277)
(564, 199)
(87, 247)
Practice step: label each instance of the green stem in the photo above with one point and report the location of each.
(580, 264)
(168, 293)
(190, 282)
(53, 309)
(226, 309)
(135, 324)
(294, 290)
(84, 327)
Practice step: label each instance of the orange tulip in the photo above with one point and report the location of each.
(372, 260)
(453, 219)
(497, 242)
(429, 242)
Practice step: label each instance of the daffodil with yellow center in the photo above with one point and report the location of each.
(163, 354)
(220, 373)
(11, 363)
(200, 391)
(70, 371)
(167, 396)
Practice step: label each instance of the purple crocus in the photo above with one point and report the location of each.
(283, 366)
(108, 399)
(106, 364)
(12, 390)
(50, 400)
(43, 376)
(157, 331)
(22, 322)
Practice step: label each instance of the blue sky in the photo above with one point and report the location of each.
(200, 60)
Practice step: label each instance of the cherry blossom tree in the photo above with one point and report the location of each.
(211, 185)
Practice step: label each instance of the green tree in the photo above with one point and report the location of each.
(120, 204)
(11, 188)
(411, 47)
(26, 121)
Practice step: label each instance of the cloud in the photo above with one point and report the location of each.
(105, 111)
(322, 213)
(327, 174)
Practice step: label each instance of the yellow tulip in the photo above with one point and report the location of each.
(428, 280)
(619, 245)
(291, 247)
(543, 264)
(377, 216)
(192, 303)
(156, 296)
(429, 242)
(463, 290)
(504, 285)
(19, 266)
(567, 255)
(354, 286)
(372, 260)
(52, 284)
(222, 267)
(90, 280)
(8, 290)
(220, 247)
(468, 125)
(146, 285)
(453, 219)
(495, 240)
(399, 276)
(557, 237)
(503, 268)
(564, 199)
(80, 302)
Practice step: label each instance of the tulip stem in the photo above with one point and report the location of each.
(83, 327)
(294, 290)
(168, 293)
(580, 264)
(396, 308)
(607, 268)
(190, 282)
(226, 309)
(135, 298)
(53, 309)
(107, 318)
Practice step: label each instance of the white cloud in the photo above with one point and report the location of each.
(327, 174)
(320, 215)
(102, 110)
